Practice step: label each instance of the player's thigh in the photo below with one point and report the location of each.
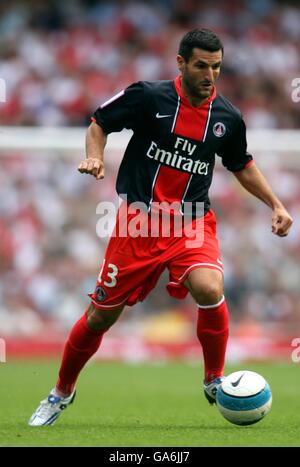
(206, 285)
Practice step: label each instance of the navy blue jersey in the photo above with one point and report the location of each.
(171, 154)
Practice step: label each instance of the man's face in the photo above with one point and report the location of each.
(200, 73)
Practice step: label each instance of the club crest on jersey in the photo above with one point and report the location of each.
(219, 129)
(100, 293)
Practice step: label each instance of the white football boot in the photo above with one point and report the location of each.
(210, 389)
(50, 409)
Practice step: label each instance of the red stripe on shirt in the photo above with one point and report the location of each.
(170, 184)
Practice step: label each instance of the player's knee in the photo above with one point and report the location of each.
(207, 293)
(101, 320)
(205, 286)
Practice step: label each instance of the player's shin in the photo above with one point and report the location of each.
(212, 332)
(82, 343)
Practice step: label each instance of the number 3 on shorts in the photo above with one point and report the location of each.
(110, 274)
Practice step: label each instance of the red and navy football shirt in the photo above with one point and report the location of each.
(171, 154)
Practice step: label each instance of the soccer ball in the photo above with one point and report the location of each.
(244, 397)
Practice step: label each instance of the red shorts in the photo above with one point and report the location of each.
(132, 265)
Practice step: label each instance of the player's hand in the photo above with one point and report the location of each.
(281, 222)
(93, 166)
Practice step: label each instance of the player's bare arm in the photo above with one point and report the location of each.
(253, 181)
(95, 144)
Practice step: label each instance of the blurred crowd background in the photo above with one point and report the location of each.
(60, 60)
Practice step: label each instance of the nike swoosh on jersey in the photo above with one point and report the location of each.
(162, 116)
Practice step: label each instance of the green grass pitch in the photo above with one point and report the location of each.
(121, 404)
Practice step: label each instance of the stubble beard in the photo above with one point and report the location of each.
(194, 90)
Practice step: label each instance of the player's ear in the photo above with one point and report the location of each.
(180, 62)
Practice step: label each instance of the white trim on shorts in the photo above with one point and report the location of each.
(194, 266)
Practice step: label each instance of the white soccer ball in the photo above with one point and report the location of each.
(244, 397)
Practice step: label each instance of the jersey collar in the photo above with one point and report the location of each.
(177, 84)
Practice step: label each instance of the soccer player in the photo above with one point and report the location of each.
(178, 128)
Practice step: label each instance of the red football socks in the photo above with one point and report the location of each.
(82, 343)
(212, 332)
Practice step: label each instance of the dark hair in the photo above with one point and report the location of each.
(201, 38)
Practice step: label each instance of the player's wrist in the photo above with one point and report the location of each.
(95, 156)
(277, 206)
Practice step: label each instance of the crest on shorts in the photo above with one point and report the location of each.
(219, 129)
(100, 293)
